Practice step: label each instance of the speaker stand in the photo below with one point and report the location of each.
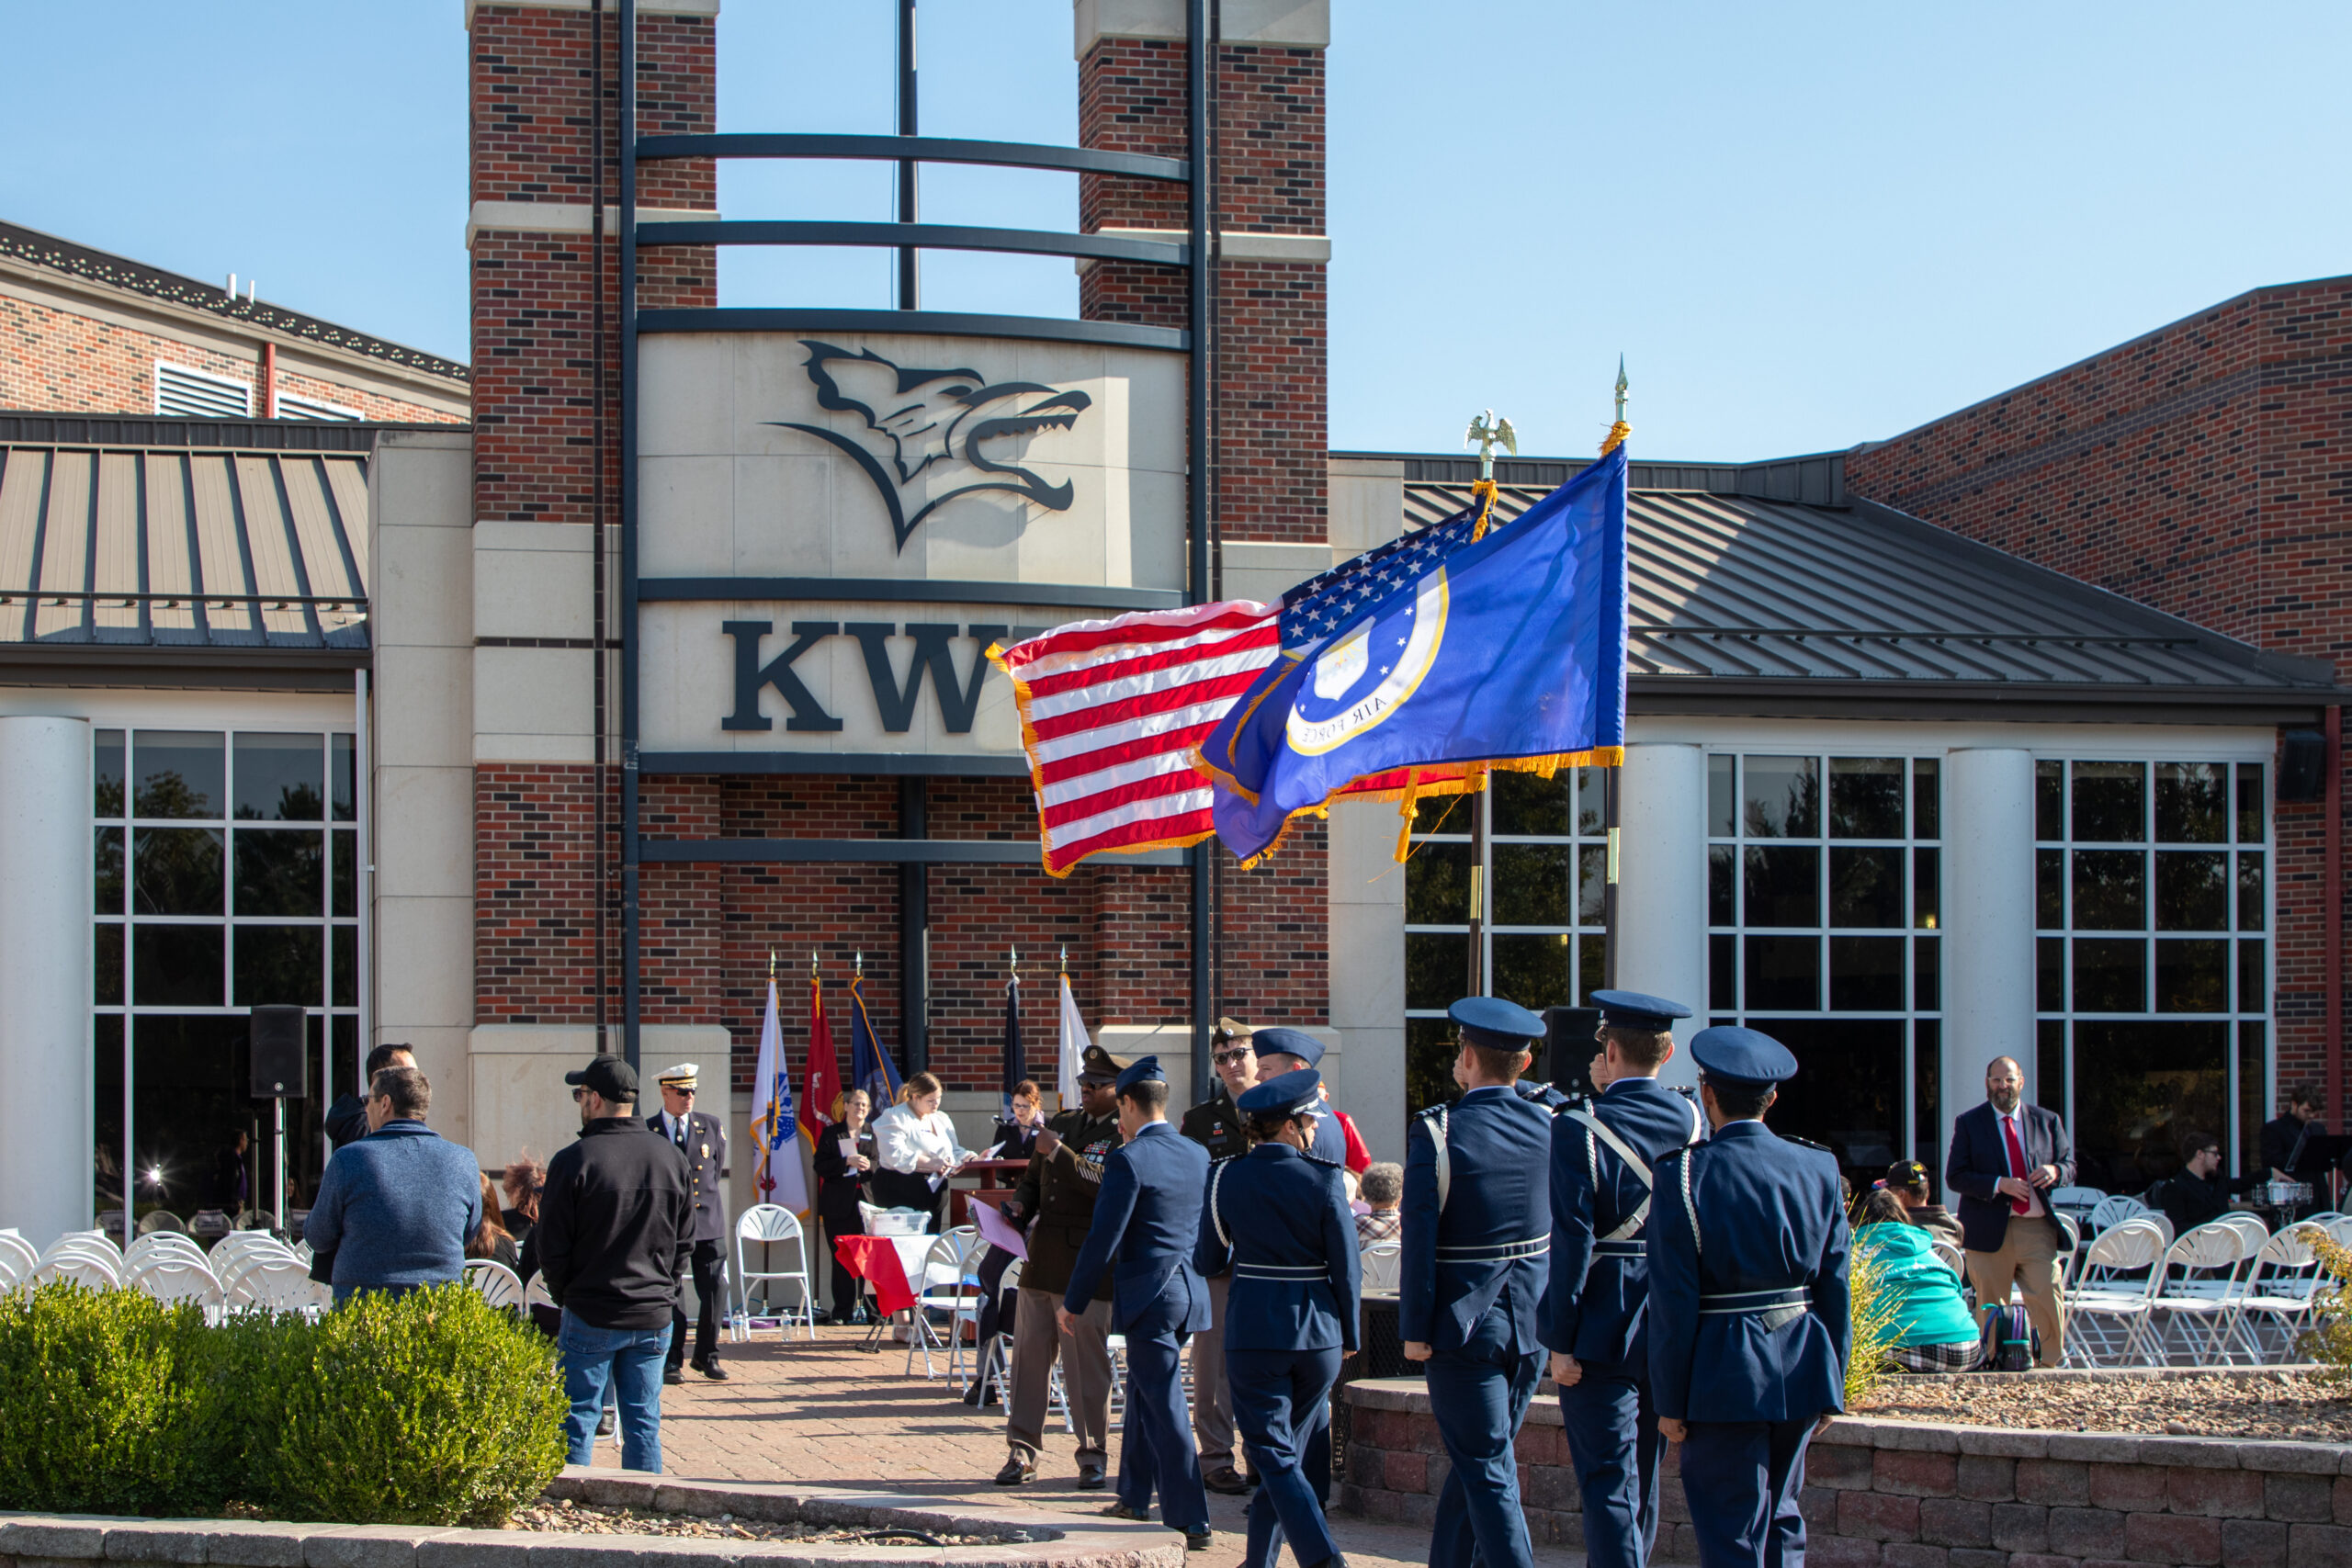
(277, 1109)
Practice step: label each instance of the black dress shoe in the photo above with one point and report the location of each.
(1016, 1470)
(1200, 1539)
(714, 1372)
(1121, 1511)
(972, 1395)
(673, 1374)
(1226, 1480)
(1090, 1478)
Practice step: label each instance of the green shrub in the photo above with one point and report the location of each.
(428, 1408)
(103, 1400)
(2329, 1340)
(432, 1408)
(1872, 1315)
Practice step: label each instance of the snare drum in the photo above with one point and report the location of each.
(2286, 1194)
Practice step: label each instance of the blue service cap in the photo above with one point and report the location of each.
(1292, 1094)
(1288, 1043)
(1494, 1023)
(1634, 1009)
(1742, 1056)
(1145, 1069)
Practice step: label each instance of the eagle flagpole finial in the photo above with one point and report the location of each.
(1487, 432)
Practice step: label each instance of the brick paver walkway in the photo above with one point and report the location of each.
(827, 1414)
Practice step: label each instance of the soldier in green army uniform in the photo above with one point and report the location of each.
(1215, 1124)
(1056, 1202)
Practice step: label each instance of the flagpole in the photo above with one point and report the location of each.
(1611, 788)
(1485, 432)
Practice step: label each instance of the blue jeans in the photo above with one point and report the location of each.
(629, 1360)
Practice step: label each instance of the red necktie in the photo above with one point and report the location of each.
(2017, 1162)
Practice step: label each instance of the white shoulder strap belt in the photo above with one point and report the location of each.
(1435, 1122)
(1216, 1215)
(1595, 1128)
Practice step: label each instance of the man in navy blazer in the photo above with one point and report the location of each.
(2005, 1155)
(1148, 1216)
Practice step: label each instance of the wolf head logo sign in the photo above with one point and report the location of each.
(931, 435)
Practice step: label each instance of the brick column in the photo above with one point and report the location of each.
(533, 109)
(1269, 439)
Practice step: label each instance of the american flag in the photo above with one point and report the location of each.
(1110, 710)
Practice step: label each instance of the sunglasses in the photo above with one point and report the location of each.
(1230, 1058)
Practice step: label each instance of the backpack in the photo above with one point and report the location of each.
(2010, 1345)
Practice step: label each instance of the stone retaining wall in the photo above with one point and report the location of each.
(1912, 1495)
(1024, 1537)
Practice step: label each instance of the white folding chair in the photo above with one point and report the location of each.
(772, 1224)
(17, 1251)
(947, 1285)
(2256, 1233)
(80, 1266)
(2105, 1314)
(996, 1356)
(170, 1278)
(535, 1294)
(1949, 1256)
(496, 1282)
(2280, 1285)
(2207, 1291)
(2083, 1197)
(155, 1244)
(99, 1239)
(1381, 1261)
(263, 1283)
(2113, 1210)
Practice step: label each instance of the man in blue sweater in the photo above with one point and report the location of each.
(395, 1208)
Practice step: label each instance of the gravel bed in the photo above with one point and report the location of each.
(567, 1516)
(2271, 1406)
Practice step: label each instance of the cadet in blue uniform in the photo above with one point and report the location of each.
(1601, 1161)
(1285, 1051)
(1478, 1226)
(1747, 1327)
(1280, 1219)
(1147, 1216)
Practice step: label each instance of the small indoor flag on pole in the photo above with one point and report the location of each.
(1074, 1044)
(774, 1131)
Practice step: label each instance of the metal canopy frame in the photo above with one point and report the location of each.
(908, 237)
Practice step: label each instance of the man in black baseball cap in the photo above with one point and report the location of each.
(615, 1231)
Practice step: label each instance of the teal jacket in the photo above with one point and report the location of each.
(1925, 1292)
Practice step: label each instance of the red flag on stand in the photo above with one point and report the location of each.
(824, 1079)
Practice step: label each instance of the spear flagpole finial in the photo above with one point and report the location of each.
(857, 963)
(1621, 385)
(812, 964)
(1618, 428)
(771, 963)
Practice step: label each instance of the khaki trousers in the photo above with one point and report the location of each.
(2028, 1256)
(1086, 1376)
(1212, 1396)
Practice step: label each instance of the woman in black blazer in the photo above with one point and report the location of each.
(844, 1156)
(1016, 1136)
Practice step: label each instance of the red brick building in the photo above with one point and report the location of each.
(83, 331)
(2205, 469)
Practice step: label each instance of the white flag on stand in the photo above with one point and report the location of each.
(1073, 1051)
(774, 1133)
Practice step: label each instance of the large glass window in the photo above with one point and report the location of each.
(224, 869)
(2152, 987)
(1546, 875)
(1823, 874)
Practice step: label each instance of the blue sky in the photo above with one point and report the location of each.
(1804, 228)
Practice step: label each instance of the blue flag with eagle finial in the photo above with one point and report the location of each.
(1508, 651)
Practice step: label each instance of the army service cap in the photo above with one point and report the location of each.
(1494, 1023)
(1230, 1028)
(1144, 1069)
(1288, 1043)
(1098, 1065)
(685, 1075)
(1296, 1093)
(1635, 1010)
(1742, 1056)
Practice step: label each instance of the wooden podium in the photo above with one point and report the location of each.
(996, 1180)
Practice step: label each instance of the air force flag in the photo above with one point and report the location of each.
(1508, 651)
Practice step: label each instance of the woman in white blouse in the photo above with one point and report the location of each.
(913, 1142)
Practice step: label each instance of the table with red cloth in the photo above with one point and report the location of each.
(886, 1263)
